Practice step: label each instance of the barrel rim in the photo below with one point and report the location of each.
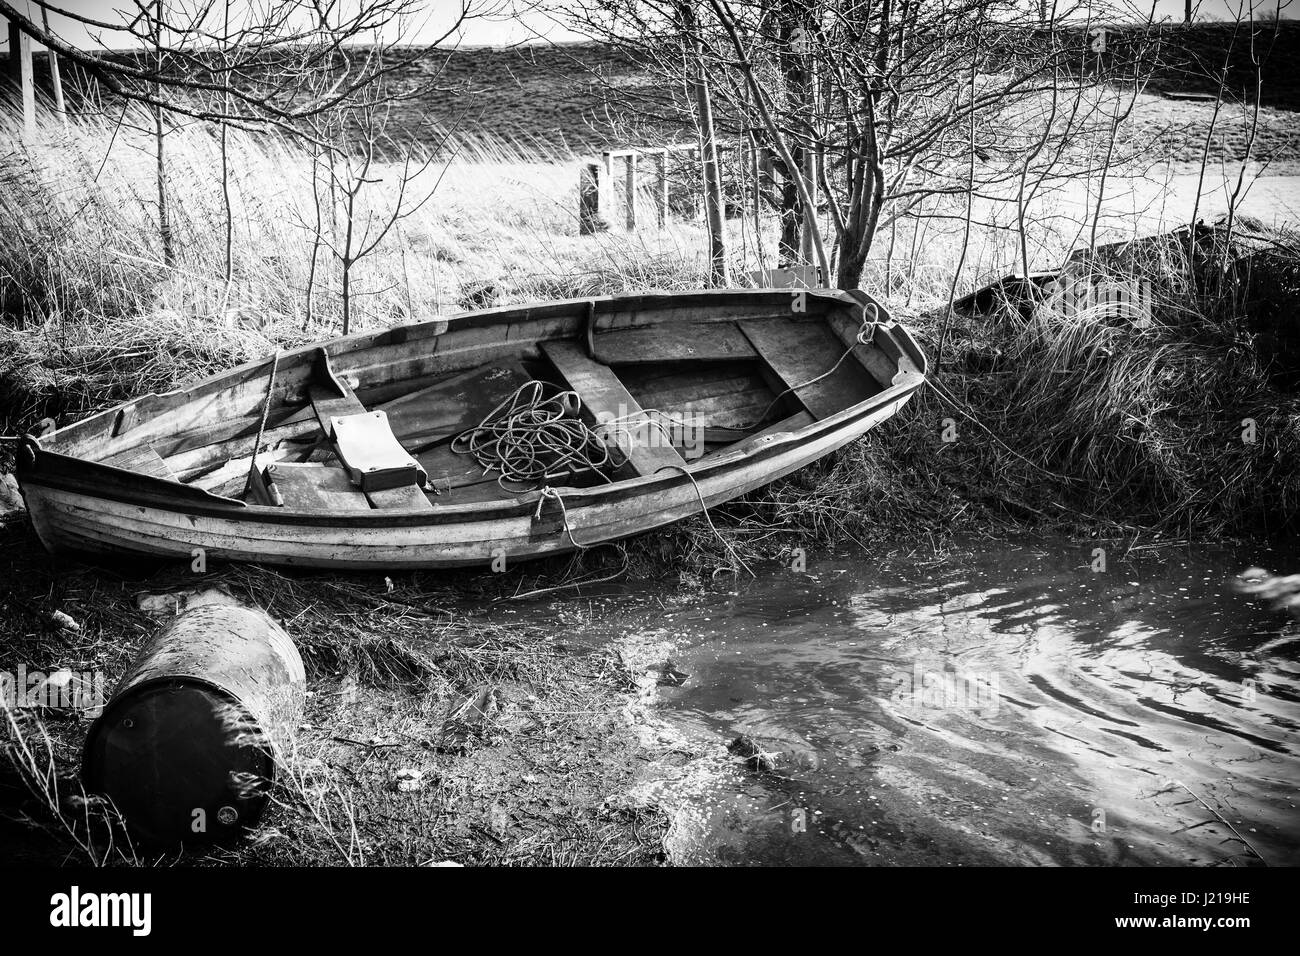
(97, 729)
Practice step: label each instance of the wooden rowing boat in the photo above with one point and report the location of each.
(697, 397)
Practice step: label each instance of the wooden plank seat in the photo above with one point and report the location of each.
(605, 398)
(370, 455)
(691, 342)
(797, 353)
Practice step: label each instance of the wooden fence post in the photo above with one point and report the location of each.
(28, 82)
(661, 186)
(630, 198)
(56, 80)
(20, 66)
(15, 40)
(589, 220)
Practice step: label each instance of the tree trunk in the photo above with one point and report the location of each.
(347, 297)
(712, 185)
(225, 155)
(867, 198)
(796, 82)
(164, 221)
(708, 156)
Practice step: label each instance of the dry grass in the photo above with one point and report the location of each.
(95, 315)
(1185, 424)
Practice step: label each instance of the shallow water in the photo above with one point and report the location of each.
(990, 704)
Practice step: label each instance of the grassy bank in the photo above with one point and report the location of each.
(1046, 419)
(516, 745)
(1180, 424)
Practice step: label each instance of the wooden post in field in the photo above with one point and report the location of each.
(661, 186)
(14, 42)
(56, 81)
(607, 178)
(20, 67)
(608, 188)
(589, 220)
(630, 198)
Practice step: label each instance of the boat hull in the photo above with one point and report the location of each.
(72, 519)
(82, 498)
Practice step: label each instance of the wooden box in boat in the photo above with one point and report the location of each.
(771, 387)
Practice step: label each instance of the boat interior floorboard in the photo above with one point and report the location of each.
(143, 460)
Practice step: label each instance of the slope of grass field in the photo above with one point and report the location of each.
(585, 96)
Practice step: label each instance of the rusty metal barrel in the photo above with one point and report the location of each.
(186, 747)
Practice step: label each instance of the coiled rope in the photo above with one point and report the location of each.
(533, 437)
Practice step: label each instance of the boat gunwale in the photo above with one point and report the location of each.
(178, 497)
(340, 346)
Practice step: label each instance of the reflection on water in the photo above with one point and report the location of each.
(992, 705)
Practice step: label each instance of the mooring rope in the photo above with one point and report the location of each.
(550, 494)
(532, 438)
(704, 509)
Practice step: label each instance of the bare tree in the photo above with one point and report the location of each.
(372, 184)
(703, 97)
(156, 12)
(861, 105)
